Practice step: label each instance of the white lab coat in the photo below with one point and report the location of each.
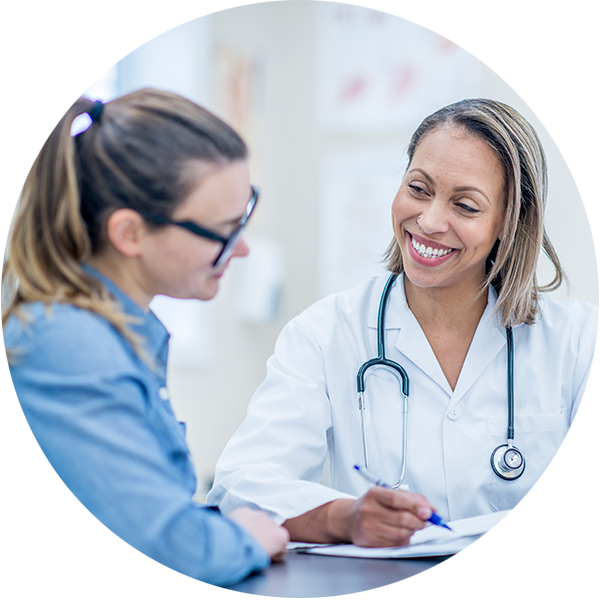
(307, 408)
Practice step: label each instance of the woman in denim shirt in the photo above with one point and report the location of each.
(145, 195)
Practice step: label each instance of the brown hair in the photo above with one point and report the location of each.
(511, 266)
(134, 156)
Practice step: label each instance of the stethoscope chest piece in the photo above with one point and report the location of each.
(508, 462)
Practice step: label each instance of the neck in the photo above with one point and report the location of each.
(121, 270)
(452, 307)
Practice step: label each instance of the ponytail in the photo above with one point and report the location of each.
(49, 242)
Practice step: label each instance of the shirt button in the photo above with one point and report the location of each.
(455, 413)
(163, 393)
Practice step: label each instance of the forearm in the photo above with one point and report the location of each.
(139, 484)
(326, 524)
(204, 545)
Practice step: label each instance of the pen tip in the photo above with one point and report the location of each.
(357, 467)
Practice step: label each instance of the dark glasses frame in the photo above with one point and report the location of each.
(229, 242)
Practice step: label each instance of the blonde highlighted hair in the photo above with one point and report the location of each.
(512, 264)
(134, 156)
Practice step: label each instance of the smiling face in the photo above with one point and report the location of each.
(177, 263)
(449, 210)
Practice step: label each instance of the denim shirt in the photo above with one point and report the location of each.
(102, 417)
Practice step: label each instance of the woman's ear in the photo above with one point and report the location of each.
(124, 229)
(501, 233)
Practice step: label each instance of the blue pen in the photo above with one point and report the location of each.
(372, 478)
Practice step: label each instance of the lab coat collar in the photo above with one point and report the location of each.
(489, 338)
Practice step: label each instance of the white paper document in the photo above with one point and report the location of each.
(431, 541)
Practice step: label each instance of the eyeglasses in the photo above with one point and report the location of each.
(229, 242)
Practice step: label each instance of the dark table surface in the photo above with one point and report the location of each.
(304, 575)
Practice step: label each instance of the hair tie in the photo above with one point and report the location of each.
(96, 111)
(83, 121)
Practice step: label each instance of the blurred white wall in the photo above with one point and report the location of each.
(178, 61)
(259, 67)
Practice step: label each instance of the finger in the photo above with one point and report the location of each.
(403, 514)
(380, 508)
(401, 500)
(402, 519)
(393, 536)
(279, 557)
(384, 535)
(382, 526)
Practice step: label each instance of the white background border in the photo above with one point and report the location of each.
(51, 546)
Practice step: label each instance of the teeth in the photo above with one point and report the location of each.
(428, 251)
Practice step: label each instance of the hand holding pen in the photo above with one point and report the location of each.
(372, 478)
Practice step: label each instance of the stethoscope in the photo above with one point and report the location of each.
(506, 460)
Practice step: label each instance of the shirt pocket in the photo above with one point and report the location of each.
(538, 437)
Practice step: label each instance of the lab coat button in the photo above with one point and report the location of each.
(455, 413)
(163, 393)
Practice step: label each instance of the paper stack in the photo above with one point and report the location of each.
(431, 541)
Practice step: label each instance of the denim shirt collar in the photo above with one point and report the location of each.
(146, 324)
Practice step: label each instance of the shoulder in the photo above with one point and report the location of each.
(568, 324)
(566, 314)
(346, 302)
(63, 338)
(347, 307)
(336, 319)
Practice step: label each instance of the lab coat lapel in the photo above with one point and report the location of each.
(410, 340)
(488, 341)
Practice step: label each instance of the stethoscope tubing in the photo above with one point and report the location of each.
(510, 368)
(499, 453)
(381, 360)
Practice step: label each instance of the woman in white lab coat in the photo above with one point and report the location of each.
(468, 225)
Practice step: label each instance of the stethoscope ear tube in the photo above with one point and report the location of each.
(381, 360)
